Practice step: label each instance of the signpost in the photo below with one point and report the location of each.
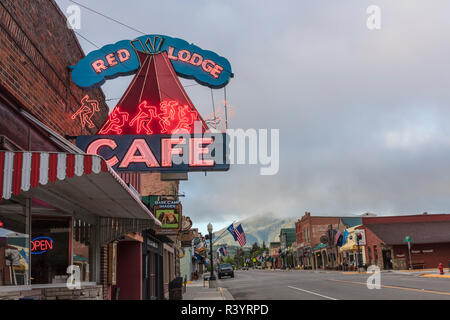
(408, 239)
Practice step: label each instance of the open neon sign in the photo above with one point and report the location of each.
(41, 245)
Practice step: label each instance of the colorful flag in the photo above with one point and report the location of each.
(223, 251)
(336, 236)
(240, 235)
(232, 231)
(344, 238)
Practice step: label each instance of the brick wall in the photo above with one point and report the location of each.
(151, 184)
(36, 49)
(317, 227)
(104, 272)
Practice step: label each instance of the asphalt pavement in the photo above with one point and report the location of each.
(332, 285)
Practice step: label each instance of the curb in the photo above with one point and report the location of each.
(226, 295)
(442, 276)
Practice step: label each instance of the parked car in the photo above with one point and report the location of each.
(225, 269)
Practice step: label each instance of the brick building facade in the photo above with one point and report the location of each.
(37, 48)
(387, 249)
(308, 231)
(37, 102)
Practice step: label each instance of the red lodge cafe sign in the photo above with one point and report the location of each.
(155, 126)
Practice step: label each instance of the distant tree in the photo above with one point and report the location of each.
(255, 248)
(264, 246)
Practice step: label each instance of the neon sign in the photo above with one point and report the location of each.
(87, 111)
(41, 245)
(158, 152)
(121, 58)
(169, 117)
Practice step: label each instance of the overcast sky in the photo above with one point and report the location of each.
(363, 114)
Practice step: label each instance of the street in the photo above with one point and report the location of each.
(332, 285)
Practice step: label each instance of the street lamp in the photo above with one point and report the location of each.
(212, 277)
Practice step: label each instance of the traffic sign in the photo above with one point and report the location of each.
(407, 239)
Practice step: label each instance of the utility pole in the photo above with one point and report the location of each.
(358, 261)
(212, 277)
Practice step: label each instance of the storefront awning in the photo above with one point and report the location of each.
(319, 246)
(75, 182)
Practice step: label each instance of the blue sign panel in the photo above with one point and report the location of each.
(121, 58)
(163, 153)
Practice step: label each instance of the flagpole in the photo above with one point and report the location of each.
(223, 232)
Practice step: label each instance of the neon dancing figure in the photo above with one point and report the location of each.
(115, 122)
(168, 115)
(86, 111)
(186, 117)
(144, 118)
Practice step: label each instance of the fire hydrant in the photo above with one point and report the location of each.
(441, 268)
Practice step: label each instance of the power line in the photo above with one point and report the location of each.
(107, 17)
(86, 39)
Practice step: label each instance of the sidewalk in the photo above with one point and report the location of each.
(196, 291)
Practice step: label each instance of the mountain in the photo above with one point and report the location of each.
(257, 229)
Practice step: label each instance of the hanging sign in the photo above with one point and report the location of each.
(162, 153)
(121, 59)
(169, 213)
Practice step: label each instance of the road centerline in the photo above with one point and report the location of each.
(314, 293)
(397, 287)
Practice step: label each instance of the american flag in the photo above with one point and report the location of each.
(223, 251)
(240, 235)
(337, 236)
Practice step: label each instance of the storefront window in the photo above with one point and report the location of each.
(81, 248)
(50, 249)
(14, 245)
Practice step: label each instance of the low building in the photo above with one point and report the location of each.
(349, 250)
(312, 254)
(287, 238)
(387, 246)
(274, 249)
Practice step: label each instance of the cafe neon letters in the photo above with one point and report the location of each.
(159, 152)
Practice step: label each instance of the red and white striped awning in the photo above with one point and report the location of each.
(83, 182)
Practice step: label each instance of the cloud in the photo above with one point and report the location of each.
(362, 114)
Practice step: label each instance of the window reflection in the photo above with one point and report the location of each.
(14, 245)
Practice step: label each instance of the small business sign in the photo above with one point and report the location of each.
(186, 225)
(41, 245)
(362, 232)
(121, 59)
(163, 153)
(169, 213)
